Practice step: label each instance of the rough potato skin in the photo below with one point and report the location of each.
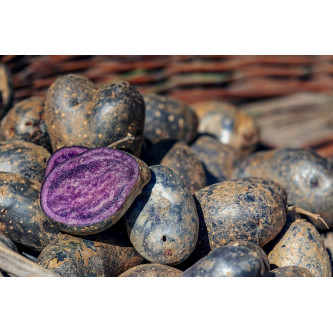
(264, 262)
(162, 223)
(6, 90)
(143, 179)
(23, 158)
(300, 244)
(169, 118)
(78, 257)
(238, 210)
(306, 176)
(218, 159)
(152, 270)
(227, 261)
(21, 218)
(78, 114)
(289, 271)
(185, 163)
(26, 121)
(228, 124)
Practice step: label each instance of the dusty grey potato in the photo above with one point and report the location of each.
(229, 125)
(238, 210)
(22, 219)
(186, 164)
(78, 114)
(26, 121)
(169, 118)
(289, 271)
(264, 262)
(152, 270)
(306, 176)
(75, 256)
(300, 244)
(218, 159)
(23, 158)
(227, 261)
(162, 223)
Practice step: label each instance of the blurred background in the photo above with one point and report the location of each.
(291, 97)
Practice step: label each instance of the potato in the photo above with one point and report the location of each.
(186, 164)
(218, 159)
(300, 244)
(75, 256)
(90, 192)
(78, 114)
(169, 118)
(227, 261)
(7, 242)
(289, 271)
(229, 125)
(238, 210)
(6, 90)
(23, 158)
(306, 176)
(26, 121)
(22, 219)
(151, 270)
(162, 223)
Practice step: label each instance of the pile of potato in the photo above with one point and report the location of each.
(108, 182)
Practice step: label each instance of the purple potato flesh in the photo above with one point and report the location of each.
(62, 155)
(91, 191)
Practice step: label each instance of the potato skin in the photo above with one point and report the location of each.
(264, 262)
(218, 159)
(186, 164)
(78, 257)
(23, 158)
(229, 125)
(300, 244)
(238, 210)
(162, 223)
(306, 176)
(6, 90)
(227, 261)
(151, 270)
(22, 219)
(26, 121)
(7, 242)
(169, 118)
(78, 114)
(289, 271)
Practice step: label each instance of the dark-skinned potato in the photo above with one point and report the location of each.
(79, 257)
(6, 90)
(229, 125)
(26, 121)
(264, 262)
(162, 223)
(218, 159)
(21, 217)
(306, 176)
(152, 270)
(78, 114)
(227, 261)
(8, 242)
(238, 210)
(289, 271)
(169, 118)
(23, 158)
(300, 244)
(186, 164)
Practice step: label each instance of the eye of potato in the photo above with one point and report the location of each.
(314, 182)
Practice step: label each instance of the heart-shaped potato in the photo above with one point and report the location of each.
(77, 113)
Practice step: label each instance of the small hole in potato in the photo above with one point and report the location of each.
(314, 182)
(164, 238)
